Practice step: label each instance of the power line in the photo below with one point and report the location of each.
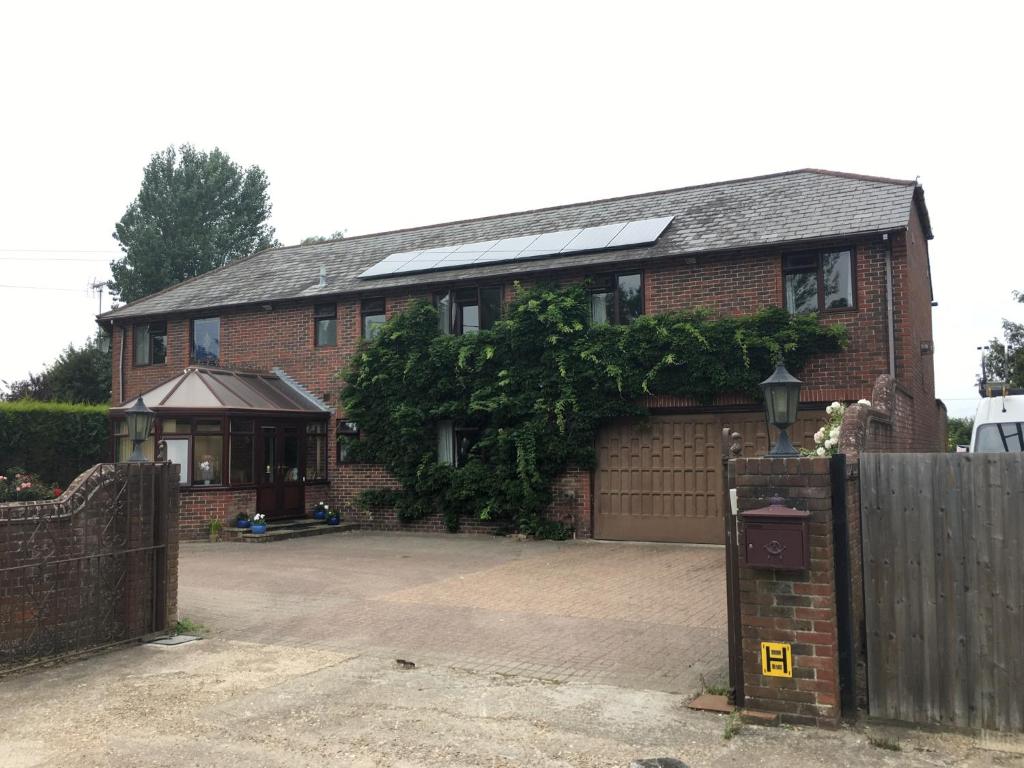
(51, 250)
(49, 258)
(43, 288)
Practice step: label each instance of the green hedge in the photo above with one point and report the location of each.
(56, 441)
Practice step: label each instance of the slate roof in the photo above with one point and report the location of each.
(784, 208)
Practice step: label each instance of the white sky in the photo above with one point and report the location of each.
(375, 116)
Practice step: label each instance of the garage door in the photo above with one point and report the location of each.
(660, 480)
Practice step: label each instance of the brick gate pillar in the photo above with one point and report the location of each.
(797, 607)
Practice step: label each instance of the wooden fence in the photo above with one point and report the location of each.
(944, 604)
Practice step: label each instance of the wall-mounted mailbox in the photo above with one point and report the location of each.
(777, 537)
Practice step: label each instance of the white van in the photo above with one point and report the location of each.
(999, 423)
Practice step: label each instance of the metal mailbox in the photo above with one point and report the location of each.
(777, 537)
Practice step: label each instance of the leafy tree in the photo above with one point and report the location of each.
(959, 432)
(316, 239)
(195, 211)
(79, 375)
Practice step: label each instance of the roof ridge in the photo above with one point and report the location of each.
(864, 177)
(563, 206)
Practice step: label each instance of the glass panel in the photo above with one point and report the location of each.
(241, 425)
(206, 460)
(373, 306)
(602, 308)
(837, 273)
(209, 425)
(631, 298)
(172, 426)
(269, 454)
(372, 325)
(290, 455)
(120, 427)
(999, 438)
(800, 261)
(142, 345)
(465, 439)
(206, 340)
(158, 341)
(444, 305)
(802, 292)
(445, 440)
(316, 456)
(490, 307)
(177, 453)
(325, 311)
(242, 459)
(469, 318)
(326, 333)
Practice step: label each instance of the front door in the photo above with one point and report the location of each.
(280, 492)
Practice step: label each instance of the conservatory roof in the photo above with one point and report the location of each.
(207, 389)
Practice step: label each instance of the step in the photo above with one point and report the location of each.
(288, 529)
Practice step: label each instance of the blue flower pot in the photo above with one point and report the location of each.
(240, 523)
(334, 521)
(319, 514)
(259, 528)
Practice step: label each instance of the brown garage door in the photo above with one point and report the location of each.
(660, 480)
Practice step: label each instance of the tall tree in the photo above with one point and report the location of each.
(1004, 361)
(195, 211)
(78, 375)
(315, 239)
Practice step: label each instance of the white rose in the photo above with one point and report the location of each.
(834, 434)
(836, 405)
(862, 401)
(819, 436)
(821, 451)
(828, 409)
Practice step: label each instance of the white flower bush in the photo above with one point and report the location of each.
(826, 439)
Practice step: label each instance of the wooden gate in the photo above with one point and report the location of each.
(944, 604)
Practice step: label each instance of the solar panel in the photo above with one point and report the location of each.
(622, 234)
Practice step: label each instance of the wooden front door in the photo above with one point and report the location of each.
(280, 493)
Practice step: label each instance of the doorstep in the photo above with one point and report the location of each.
(287, 529)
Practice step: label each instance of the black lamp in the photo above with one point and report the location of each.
(140, 421)
(782, 400)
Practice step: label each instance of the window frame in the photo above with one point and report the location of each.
(149, 347)
(454, 324)
(344, 428)
(321, 313)
(614, 278)
(368, 308)
(192, 340)
(819, 254)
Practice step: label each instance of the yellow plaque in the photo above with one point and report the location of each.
(776, 660)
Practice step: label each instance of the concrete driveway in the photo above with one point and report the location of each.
(642, 616)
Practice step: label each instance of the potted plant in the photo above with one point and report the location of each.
(215, 526)
(243, 520)
(320, 511)
(333, 517)
(259, 523)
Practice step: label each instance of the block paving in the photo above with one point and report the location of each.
(645, 616)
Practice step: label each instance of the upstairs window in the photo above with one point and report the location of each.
(373, 316)
(468, 310)
(616, 299)
(206, 341)
(150, 343)
(455, 443)
(325, 322)
(818, 281)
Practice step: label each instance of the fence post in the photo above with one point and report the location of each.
(731, 448)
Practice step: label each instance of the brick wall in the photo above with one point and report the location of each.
(78, 571)
(739, 283)
(796, 607)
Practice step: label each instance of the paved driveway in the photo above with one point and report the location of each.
(646, 616)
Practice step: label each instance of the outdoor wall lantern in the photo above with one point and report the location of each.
(140, 421)
(782, 400)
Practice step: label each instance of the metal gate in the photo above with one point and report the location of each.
(944, 588)
(87, 569)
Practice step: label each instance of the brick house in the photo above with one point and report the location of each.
(239, 362)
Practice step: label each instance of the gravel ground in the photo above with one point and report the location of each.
(229, 703)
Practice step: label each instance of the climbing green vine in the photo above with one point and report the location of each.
(536, 388)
